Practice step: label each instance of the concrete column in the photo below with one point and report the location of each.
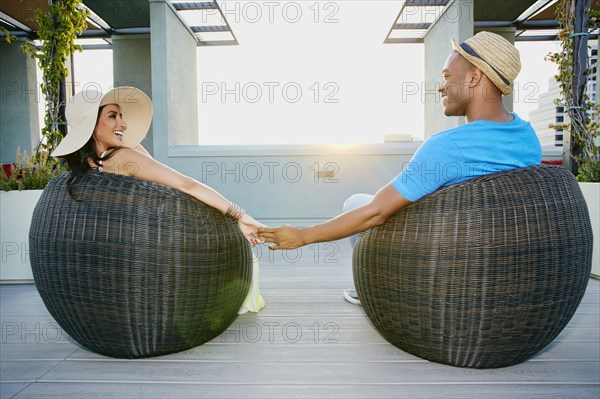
(132, 66)
(508, 34)
(456, 23)
(174, 80)
(20, 97)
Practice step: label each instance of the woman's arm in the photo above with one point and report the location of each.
(134, 163)
(141, 149)
(386, 202)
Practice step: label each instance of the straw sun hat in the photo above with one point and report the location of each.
(497, 58)
(82, 112)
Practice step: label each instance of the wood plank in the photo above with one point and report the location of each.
(561, 351)
(310, 308)
(579, 334)
(326, 373)
(10, 389)
(23, 309)
(279, 391)
(593, 286)
(33, 330)
(592, 298)
(322, 255)
(26, 351)
(279, 353)
(585, 319)
(25, 371)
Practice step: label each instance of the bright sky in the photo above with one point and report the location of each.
(315, 72)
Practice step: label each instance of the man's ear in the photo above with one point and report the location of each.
(475, 75)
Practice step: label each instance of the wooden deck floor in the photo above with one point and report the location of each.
(307, 342)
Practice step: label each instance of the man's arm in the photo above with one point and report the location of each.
(386, 202)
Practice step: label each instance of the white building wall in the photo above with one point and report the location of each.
(548, 113)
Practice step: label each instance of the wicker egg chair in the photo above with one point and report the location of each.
(135, 269)
(482, 274)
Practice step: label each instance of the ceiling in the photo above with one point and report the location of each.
(532, 19)
(204, 19)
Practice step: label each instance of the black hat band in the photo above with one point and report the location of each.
(469, 50)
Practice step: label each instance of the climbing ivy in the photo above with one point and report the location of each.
(584, 123)
(7, 36)
(58, 29)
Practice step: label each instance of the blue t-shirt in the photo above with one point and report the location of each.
(475, 149)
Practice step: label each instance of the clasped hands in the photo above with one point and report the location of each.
(285, 237)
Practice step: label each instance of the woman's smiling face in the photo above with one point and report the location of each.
(110, 128)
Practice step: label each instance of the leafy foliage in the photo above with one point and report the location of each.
(58, 30)
(584, 124)
(7, 36)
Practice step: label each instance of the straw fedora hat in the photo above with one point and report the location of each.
(82, 112)
(497, 58)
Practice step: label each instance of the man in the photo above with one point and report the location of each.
(475, 76)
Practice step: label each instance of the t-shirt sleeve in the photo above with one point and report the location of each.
(436, 162)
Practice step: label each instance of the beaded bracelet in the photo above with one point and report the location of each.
(234, 212)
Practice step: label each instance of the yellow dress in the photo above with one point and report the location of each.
(254, 301)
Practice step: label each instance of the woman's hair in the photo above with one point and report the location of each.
(78, 162)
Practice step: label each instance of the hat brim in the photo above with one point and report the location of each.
(82, 114)
(485, 68)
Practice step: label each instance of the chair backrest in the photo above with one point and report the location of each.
(482, 274)
(130, 268)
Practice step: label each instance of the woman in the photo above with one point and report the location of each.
(105, 132)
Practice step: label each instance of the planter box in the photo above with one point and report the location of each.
(16, 209)
(591, 193)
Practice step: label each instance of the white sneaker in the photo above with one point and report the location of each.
(352, 297)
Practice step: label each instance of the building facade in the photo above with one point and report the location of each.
(550, 113)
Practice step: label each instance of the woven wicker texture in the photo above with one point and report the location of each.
(483, 274)
(136, 269)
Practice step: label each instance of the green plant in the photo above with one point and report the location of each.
(58, 29)
(32, 171)
(7, 36)
(583, 124)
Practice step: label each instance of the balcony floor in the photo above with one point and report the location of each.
(308, 342)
